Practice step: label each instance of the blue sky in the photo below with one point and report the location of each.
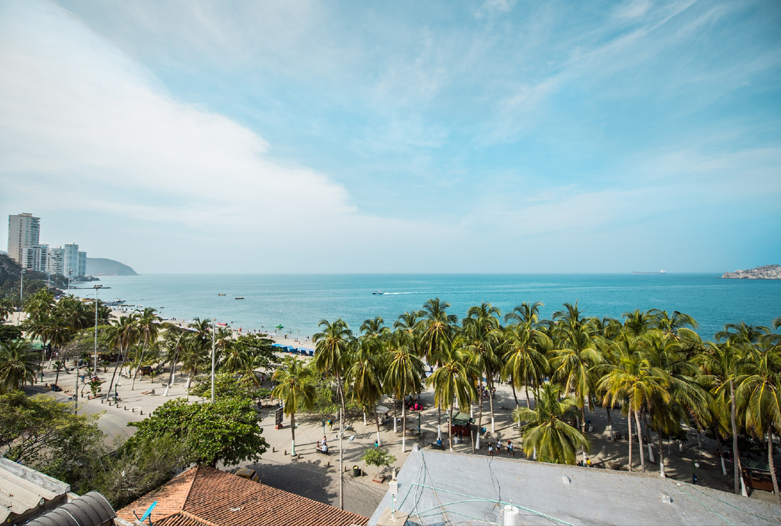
(314, 136)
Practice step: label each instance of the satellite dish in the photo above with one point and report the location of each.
(147, 514)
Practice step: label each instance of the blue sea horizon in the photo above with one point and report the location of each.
(300, 301)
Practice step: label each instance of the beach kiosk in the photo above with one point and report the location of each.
(460, 425)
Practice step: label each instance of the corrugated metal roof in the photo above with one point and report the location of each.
(23, 489)
(91, 509)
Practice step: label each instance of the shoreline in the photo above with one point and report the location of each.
(281, 339)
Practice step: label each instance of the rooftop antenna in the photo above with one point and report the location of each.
(147, 514)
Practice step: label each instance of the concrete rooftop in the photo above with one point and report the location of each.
(437, 488)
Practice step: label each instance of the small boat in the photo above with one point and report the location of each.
(221, 294)
(660, 272)
(378, 293)
(240, 298)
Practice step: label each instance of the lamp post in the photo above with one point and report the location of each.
(213, 356)
(97, 288)
(21, 292)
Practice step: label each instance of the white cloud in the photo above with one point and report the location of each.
(82, 127)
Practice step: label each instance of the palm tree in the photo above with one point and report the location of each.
(122, 335)
(721, 364)
(545, 430)
(364, 377)
(438, 328)
(523, 348)
(17, 365)
(637, 383)
(294, 391)
(6, 308)
(479, 338)
(148, 327)
(453, 380)
(759, 393)
(404, 372)
(576, 357)
(332, 346)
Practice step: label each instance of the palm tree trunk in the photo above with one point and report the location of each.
(528, 402)
(403, 426)
(341, 436)
(114, 374)
(583, 415)
(480, 412)
(512, 384)
(771, 463)
(661, 455)
(138, 367)
(450, 430)
(491, 403)
(377, 421)
(439, 423)
(629, 435)
(394, 415)
(735, 452)
(609, 422)
(57, 376)
(640, 441)
(648, 429)
(293, 434)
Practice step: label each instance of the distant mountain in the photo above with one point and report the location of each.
(108, 267)
(764, 272)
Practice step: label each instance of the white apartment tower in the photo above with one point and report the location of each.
(81, 266)
(71, 260)
(56, 261)
(36, 258)
(23, 232)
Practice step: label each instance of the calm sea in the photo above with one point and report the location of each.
(299, 302)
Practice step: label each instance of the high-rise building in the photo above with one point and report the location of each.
(23, 232)
(56, 261)
(36, 258)
(71, 260)
(82, 264)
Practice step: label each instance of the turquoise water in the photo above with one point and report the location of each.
(299, 301)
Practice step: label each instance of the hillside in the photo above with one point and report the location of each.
(108, 267)
(764, 272)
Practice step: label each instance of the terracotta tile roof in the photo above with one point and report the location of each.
(205, 496)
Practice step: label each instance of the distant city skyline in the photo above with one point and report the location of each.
(341, 137)
(25, 247)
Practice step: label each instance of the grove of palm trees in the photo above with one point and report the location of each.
(650, 369)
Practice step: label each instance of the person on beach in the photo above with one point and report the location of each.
(510, 448)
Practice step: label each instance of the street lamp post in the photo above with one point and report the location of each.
(213, 356)
(97, 288)
(21, 291)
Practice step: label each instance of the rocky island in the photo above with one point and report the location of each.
(764, 272)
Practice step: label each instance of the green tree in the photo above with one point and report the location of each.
(121, 336)
(576, 357)
(438, 330)
(40, 432)
(454, 379)
(294, 390)
(364, 376)
(721, 363)
(18, 365)
(225, 431)
(374, 456)
(545, 430)
(404, 372)
(148, 327)
(332, 352)
(759, 396)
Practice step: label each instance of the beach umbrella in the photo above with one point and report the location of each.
(381, 409)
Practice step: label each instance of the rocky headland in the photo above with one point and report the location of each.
(764, 272)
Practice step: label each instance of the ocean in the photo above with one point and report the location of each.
(299, 301)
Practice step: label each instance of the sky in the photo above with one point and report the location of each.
(396, 137)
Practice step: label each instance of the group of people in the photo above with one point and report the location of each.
(322, 445)
(587, 463)
(413, 404)
(498, 450)
(485, 393)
